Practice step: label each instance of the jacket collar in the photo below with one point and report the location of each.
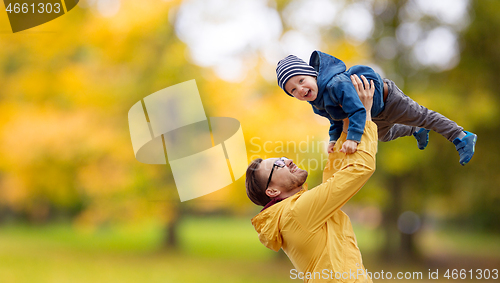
(272, 202)
(276, 200)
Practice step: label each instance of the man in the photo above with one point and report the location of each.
(308, 224)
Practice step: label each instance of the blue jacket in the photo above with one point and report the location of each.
(337, 98)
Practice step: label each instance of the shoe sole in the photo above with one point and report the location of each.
(473, 151)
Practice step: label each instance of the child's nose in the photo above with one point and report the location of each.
(303, 91)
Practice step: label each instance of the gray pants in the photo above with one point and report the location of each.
(402, 117)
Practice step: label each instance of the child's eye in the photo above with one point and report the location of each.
(292, 91)
(301, 80)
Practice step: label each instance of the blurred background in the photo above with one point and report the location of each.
(76, 206)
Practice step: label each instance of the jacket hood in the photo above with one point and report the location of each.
(327, 67)
(266, 223)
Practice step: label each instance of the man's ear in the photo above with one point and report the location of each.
(272, 192)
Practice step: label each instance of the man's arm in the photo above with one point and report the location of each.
(314, 207)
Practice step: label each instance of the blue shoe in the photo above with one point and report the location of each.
(422, 137)
(465, 147)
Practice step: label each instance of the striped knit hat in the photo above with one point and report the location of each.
(292, 66)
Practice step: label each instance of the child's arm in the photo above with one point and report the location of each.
(331, 144)
(350, 146)
(335, 131)
(336, 127)
(344, 93)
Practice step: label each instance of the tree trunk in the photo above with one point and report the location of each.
(171, 240)
(408, 249)
(398, 246)
(391, 246)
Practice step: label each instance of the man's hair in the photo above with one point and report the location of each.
(255, 187)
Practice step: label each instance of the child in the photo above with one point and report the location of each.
(327, 86)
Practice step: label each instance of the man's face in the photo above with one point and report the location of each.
(302, 87)
(285, 179)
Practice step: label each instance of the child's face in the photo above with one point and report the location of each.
(302, 87)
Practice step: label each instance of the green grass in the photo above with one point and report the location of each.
(369, 240)
(111, 239)
(211, 250)
(459, 242)
(226, 238)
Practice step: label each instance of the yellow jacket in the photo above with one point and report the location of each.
(310, 227)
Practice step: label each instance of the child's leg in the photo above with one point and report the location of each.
(400, 109)
(388, 131)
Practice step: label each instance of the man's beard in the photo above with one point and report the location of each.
(298, 181)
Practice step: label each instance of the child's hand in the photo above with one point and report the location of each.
(349, 147)
(330, 147)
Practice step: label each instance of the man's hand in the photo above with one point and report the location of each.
(349, 146)
(330, 147)
(365, 92)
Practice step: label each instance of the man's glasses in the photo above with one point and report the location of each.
(278, 163)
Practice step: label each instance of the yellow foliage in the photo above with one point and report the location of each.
(67, 86)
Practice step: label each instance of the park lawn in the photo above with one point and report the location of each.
(220, 249)
(212, 250)
(460, 242)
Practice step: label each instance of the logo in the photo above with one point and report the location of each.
(25, 14)
(205, 154)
